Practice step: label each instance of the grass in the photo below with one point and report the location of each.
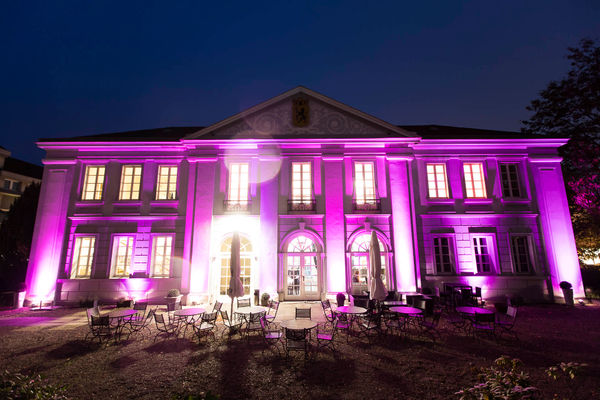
(412, 368)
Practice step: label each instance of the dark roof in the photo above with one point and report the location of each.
(174, 133)
(23, 167)
(171, 133)
(454, 132)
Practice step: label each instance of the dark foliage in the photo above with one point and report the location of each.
(15, 238)
(571, 108)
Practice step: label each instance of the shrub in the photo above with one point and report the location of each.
(14, 386)
(173, 293)
(564, 285)
(504, 380)
(340, 298)
(264, 299)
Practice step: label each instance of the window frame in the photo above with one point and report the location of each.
(113, 255)
(530, 250)
(152, 255)
(244, 254)
(131, 192)
(491, 244)
(374, 200)
(86, 183)
(302, 199)
(451, 254)
(435, 181)
(169, 183)
(473, 188)
(519, 180)
(73, 273)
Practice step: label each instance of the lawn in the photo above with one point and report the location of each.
(52, 343)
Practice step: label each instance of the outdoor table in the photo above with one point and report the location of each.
(473, 310)
(411, 297)
(188, 316)
(246, 311)
(409, 313)
(298, 324)
(120, 316)
(351, 311)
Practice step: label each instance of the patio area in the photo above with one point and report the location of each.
(412, 366)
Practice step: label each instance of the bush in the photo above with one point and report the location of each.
(591, 280)
(340, 298)
(264, 299)
(503, 380)
(564, 285)
(14, 386)
(173, 293)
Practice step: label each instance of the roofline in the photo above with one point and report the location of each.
(301, 89)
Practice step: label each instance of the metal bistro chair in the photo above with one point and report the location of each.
(273, 307)
(253, 323)
(484, 323)
(327, 311)
(243, 302)
(326, 335)
(369, 325)
(232, 325)
(296, 340)
(165, 327)
(137, 325)
(217, 306)
(272, 337)
(206, 326)
(303, 313)
(100, 327)
(507, 323)
(430, 326)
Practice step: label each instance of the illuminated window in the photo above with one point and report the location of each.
(474, 180)
(364, 183)
(166, 184)
(83, 256)
(245, 264)
(122, 253)
(238, 184)
(131, 176)
(521, 252)
(93, 182)
(359, 260)
(301, 182)
(442, 252)
(437, 183)
(509, 175)
(481, 249)
(161, 256)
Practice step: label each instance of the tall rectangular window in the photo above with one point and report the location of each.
(83, 257)
(443, 255)
(521, 253)
(481, 249)
(509, 175)
(166, 183)
(437, 182)
(474, 180)
(93, 183)
(161, 256)
(364, 183)
(301, 186)
(131, 177)
(122, 253)
(238, 183)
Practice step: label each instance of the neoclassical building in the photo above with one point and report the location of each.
(304, 179)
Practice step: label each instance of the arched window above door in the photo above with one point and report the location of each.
(302, 244)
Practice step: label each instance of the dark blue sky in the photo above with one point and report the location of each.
(83, 67)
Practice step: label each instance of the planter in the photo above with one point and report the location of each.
(173, 300)
(568, 295)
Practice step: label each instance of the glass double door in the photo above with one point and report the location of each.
(302, 277)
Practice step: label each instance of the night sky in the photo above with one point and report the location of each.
(85, 67)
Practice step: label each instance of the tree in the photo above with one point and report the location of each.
(571, 108)
(16, 233)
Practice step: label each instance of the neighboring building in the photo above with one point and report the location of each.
(15, 176)
(304, 179)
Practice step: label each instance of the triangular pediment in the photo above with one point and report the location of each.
(300, 113)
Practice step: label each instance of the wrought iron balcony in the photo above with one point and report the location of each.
(368, 205)
(302, 205)
(236, 205)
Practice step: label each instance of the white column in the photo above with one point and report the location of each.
(269, 184)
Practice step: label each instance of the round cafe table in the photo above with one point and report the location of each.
(250, 310)
(188, 316)
(410, 311)
(473, 310)
(351, 310)
(298, 324)
(120, 317)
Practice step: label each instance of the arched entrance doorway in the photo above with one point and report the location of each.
(302, 259)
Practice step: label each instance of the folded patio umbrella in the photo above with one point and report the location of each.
(236, 289)
(377, 290)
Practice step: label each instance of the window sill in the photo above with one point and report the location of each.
(172, 203)
(479, 201)
(515, 201)
(430, 201)
(127, 203)
(83, 203)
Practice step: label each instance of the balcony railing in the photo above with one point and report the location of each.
(236, 205)
(302, 205)
(367, 205)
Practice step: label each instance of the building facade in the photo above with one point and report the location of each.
(15, 176)
(304, 180)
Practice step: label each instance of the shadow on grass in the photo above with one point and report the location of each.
(72, 349)
(123, 362)
(171, 346)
